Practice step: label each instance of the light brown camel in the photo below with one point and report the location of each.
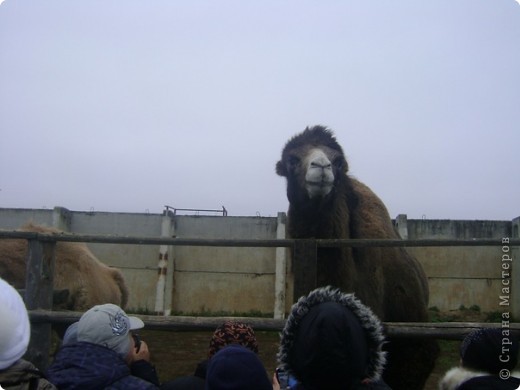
(88, 281)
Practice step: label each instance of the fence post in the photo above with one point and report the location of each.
(163, 296)
(515, 274)
(401, 225)
(61, 219)
(281, 270)
(304, 258)
(170, 230)
(38, 295)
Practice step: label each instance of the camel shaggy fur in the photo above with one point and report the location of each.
(325, 202)
(76, 269)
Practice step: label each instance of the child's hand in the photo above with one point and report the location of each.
(276, 384)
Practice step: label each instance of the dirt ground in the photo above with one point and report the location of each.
(177, 353)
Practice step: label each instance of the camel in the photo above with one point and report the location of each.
(326, 202)
(89, 282)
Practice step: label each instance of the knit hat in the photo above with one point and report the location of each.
(236, 368)
(482, 350)
(233, 332)
(331, 340)
(15, 330)
(108, 325)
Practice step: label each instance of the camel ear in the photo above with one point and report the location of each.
(280, 169)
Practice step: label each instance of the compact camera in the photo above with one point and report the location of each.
(137, 342)
(286, 381)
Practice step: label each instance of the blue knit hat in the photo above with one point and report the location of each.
(486, 350)
(236, 368)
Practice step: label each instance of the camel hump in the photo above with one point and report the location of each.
(33, 227)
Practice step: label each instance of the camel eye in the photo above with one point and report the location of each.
(293, 161)
(338, 163)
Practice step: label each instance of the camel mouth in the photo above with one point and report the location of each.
(320, 184)
(318, 189)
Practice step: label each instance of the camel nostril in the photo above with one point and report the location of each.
(322, 166)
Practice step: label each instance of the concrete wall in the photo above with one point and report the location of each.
(224, 279)
(198, 279)
(137, 262)
(14, 218)
(241, 280)
(460, 275)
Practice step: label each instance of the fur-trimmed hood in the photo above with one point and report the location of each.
(351, 348)
(455, 376)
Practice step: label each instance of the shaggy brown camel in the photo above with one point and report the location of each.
(325, 202)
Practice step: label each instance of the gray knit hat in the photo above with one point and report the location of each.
(332, 337)
(108, 325)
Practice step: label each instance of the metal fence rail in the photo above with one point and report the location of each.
(437, 330)
(326, 243)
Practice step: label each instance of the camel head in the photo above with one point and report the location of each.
(312, 162)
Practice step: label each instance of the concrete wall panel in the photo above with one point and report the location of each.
(450, 294)
(459, 262)
(219, 279)
(223, 292)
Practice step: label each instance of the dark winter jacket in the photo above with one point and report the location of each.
(90, 366)
(490, 382)
(23, 375)
(460, 378)
(332, 341)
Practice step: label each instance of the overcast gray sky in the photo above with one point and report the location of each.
(127, 105)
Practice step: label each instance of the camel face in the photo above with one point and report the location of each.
(312, 162)
(319, 176)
